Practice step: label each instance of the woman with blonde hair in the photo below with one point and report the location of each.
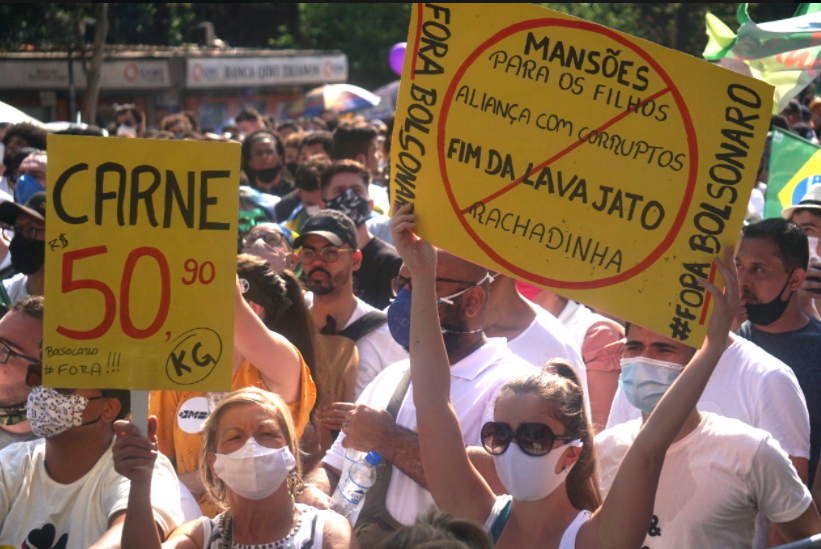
(273, 350)
(250, 466)
(541, 439)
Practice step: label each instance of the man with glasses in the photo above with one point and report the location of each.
(21, 336)
(345, 188)
(270, 242)
(329, 257)
(24, 228)
(63, 491)
(479, 368)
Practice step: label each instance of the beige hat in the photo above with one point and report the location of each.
(811, 201)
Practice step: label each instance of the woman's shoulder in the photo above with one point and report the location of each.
(192, 535)
(336, 530)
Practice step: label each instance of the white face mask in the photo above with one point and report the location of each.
(254, 471)
(52, 413)
(531, 478)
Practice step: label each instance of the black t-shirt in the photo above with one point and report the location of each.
(287, 205)
(800, 351)
(372, 282)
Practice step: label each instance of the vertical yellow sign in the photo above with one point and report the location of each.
(575, 157)
(141, 240)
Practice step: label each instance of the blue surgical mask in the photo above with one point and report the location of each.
(644, 381)
(27, 185)
(399, 315)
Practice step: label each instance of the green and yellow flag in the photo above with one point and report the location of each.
(795, 166)
(782, 53)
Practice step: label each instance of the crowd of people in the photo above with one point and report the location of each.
(505, 415)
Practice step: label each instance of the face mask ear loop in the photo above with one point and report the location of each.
(448, 300)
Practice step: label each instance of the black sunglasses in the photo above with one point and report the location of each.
(534, 439)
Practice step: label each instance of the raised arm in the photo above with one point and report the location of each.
(623, 519)
(134, 458)
(455, 484)
(272, 354)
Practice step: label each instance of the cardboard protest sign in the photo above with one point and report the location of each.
(575, 157)
(141, 240)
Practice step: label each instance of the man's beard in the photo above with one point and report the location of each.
(333, 282)
(454, 321)
(13, 395)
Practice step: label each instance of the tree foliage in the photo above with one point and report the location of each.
(364, 31)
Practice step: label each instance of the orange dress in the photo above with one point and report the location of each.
(181, 413)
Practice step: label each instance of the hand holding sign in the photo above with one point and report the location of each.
(577, 158)
(139, 287)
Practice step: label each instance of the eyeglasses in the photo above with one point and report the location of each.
(400, 282)
(28, 233)
(328, 255)
(273, 239)
(6, 353)
(534, 439)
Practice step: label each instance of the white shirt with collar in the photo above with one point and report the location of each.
(475, 382)
(377, 350)
(546, 339)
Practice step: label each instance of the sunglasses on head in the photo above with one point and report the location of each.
(534, 439)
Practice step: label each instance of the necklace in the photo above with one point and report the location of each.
(227, 527)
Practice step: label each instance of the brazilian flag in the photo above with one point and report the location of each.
(785, 54)
(795, 166)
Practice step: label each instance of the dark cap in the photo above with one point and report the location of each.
(335, 226)
(35, 207)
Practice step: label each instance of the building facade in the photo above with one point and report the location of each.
(214, 83)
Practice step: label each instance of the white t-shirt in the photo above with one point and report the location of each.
(474, 383)
(380, 197)
(34, 507)
(377, 350)
(545, 339)
(713, 483)
(752, 386)
(17, 287)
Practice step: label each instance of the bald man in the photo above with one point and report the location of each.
(479, 368)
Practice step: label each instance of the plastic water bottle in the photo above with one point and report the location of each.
(350, 493)
(352, 457)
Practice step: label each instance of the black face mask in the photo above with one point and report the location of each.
(267, 175)
(351, 204)
(292, 167)
(27, 256)
(766, 314)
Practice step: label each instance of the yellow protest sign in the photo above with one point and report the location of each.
(575, 157)
(141, 240)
